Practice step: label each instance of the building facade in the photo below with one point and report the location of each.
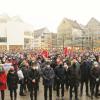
(69, 32)
(72, 34)
(15, 34)
(44, 39)
(93, 27)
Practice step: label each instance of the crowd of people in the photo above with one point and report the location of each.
(57, 72)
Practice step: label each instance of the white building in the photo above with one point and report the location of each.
(40, 37)
(15, 34)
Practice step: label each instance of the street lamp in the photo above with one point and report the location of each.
(82, 42)
(92, 42)
(63, 41)
(83, 36)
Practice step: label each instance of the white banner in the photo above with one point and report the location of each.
(7, 66)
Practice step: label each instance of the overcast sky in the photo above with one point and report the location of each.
(49, 13)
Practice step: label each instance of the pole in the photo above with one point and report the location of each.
(82, 43)
(92, 42)
(63, 41)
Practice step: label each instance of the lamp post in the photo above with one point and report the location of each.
(92, 40)
(63, 41)
(83, 37)
(82, 42)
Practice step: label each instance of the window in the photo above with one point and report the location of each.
(98, 37)
(42, 41)
(26, 40)
(42, 37)
(27, 33)
(3, 39)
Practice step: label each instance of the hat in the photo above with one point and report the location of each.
(34, 63)
(13, 58)
(47, 62)
(12, 68)
(9, 58)
(95, 63)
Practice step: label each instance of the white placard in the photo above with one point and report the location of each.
(7, 66)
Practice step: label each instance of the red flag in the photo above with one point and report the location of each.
(45, 53)
(65, 51)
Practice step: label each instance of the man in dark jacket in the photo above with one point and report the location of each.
(74, 76)
(48, 77)
(85, 73)
(24, 68)
(95, 79)
(54, 65)
(33, 77)
(60, 74)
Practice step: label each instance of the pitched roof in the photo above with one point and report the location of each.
(73, 23)
(67, 23)
(93, 22)
(17, 18)
(4, 18)
(39, 32)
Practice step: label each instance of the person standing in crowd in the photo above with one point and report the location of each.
(95, 79)
(21, 82)
(15, 63)
(23, 69)
(74, 77)
(12, 82)
(3, 81)
(60, 74)
(54, 65)
(33, 78)
(66, 66)
(85, 76)
(48, 77)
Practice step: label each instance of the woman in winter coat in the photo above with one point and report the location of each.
(3, 80)
(12, 82)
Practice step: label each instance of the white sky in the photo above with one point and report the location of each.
(49, 13)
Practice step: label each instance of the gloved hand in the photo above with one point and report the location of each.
(97, 79)
(58, 78)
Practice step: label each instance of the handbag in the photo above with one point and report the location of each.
(20, 74)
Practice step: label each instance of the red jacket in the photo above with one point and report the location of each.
(3, 81)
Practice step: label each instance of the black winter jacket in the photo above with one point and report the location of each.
(60, 74)
(73, 74)
(85, 71)
(95, 73)
(33, 74)
(12, 81)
